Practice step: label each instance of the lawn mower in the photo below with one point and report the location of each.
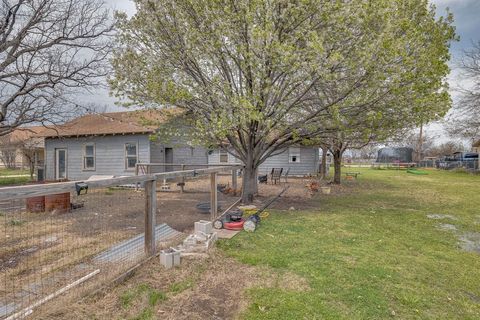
(234, 220)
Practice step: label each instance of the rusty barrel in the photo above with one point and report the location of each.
(36, 204)
(59, 202)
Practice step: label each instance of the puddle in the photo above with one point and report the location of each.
(438, 216)
(447, 227)
(470, 241)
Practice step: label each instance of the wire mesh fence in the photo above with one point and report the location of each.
(54, 238)
(470, 165)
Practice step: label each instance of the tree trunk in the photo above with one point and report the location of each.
(323, 165)
(250, 184)
(337, 161)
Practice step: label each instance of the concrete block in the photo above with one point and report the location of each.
(211, 240)
(166, 258)
(203, 226)
(214, 236)
(201, 236)
(176, 257)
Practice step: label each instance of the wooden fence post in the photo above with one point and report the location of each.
(234, 181)
(182, 186)
(213, 196)
(150, 213)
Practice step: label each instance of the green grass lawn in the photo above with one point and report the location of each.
(372, 253)
(12, 172)
(8, 177)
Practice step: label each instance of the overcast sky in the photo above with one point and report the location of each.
(467, 22)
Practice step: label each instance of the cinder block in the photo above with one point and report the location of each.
(176, 257)
(201, 236)
(191, 240)
(166, 258)
(203, 226)
(211, 240)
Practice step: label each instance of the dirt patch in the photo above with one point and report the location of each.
(437, 216)
(300, 196)
(447, 227)
(470, 241)
(201, 288)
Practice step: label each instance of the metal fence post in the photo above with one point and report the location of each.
(213, 195)
(150, 212)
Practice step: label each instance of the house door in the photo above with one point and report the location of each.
(169, 158)
(60, 164)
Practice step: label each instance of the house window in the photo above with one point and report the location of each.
(293, 155)
(89, 157)
(223, 156)
(131, 156)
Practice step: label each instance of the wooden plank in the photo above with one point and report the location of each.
(213, 196)
(19, 192)
(150, 213)
(192, 164)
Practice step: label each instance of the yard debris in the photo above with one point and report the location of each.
(201, 240)
(247, 207)
(313, 186)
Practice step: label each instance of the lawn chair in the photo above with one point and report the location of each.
(275, 175)
(285, 175)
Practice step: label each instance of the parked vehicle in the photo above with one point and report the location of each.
(467, 160)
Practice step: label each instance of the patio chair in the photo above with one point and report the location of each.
(275, 175)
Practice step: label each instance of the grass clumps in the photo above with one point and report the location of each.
(143, 296)
(181, 286)
(16, 222)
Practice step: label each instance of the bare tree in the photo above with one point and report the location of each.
(8, 152)
(49, 49)
(464, 121)
(446, 148)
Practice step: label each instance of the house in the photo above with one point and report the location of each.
(22, 148)
(476, 146)
(301, 160)
(112, 144)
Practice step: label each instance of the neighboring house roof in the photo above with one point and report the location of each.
(112, 123)
(23, 134)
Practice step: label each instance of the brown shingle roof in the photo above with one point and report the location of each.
(111, 123)
(22, 134)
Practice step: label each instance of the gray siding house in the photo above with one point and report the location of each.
(111, 144)
(301, 160)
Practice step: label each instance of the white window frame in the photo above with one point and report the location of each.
(294, 153)
(57, 169)
(220, 153)
(94, 156)
(127, 156)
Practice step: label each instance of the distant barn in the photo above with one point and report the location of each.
(391, 155)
